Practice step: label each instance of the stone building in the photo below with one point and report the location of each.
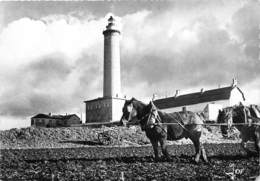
(48, 120)
(209, 102)
(108, 107)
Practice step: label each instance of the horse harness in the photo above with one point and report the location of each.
(247, 119)
(158, 120)
(151, 114)
(230, 121)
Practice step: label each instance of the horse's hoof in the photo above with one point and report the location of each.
(156, 160)
(178, 160)
(210, 164)
(168, 159)
(251, 153)
(195, 160)
(206, 160)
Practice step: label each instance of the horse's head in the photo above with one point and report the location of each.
(150, 117)
(136, 112)
(129, 111)
(225, 116)
(241, 114)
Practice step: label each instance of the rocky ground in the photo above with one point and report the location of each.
(84, 136)
(134, 168)
(70, 137)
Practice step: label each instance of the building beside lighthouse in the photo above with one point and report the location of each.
(108, 107)
(208, 102)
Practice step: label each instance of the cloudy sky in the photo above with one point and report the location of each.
(51, 53)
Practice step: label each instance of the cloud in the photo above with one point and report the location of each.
(36, 87)
(9, 122)
(245, 24)
(251, 90)
(47, 67)
(51, 85)
(26, 39)
(199, 49)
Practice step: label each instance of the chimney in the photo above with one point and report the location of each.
(234, 82)
(49, 114)
(184, 109)
(201, 90)
(177, 93)
(154, 96)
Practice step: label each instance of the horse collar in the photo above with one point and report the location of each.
(156, 118)
(148, 114)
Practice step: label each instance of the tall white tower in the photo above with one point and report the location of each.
(108, 107)
(112, 81)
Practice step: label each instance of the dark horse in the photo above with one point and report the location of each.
(154, 122)
(245, 120)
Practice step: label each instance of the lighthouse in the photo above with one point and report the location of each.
(112, 79)
(108, 107)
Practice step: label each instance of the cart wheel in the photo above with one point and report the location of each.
(115, 135)
(104, 138)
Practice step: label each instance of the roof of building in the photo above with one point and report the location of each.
(196, 98)
(41, 116)
(103, 98)
(61, 117)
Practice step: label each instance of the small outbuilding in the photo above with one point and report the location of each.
(209, 102)
(48, 120)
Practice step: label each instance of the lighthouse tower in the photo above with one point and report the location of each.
(108, 107)
(112, 81)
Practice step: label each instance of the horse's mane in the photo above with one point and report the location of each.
(220, 116)
(134, 100)
(141, 107)
(137, 103)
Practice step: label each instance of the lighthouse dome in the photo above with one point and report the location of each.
(113, 24)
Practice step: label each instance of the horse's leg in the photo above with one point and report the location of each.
(164, 148)
(257, 142)
(249, 152)
(245, 138)
(257, 139)
(243, 144)
(195, 138)
(257, 145)
(155, 149)
(204, 155)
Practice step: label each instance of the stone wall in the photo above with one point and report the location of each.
(98, 110)
(104, 109)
